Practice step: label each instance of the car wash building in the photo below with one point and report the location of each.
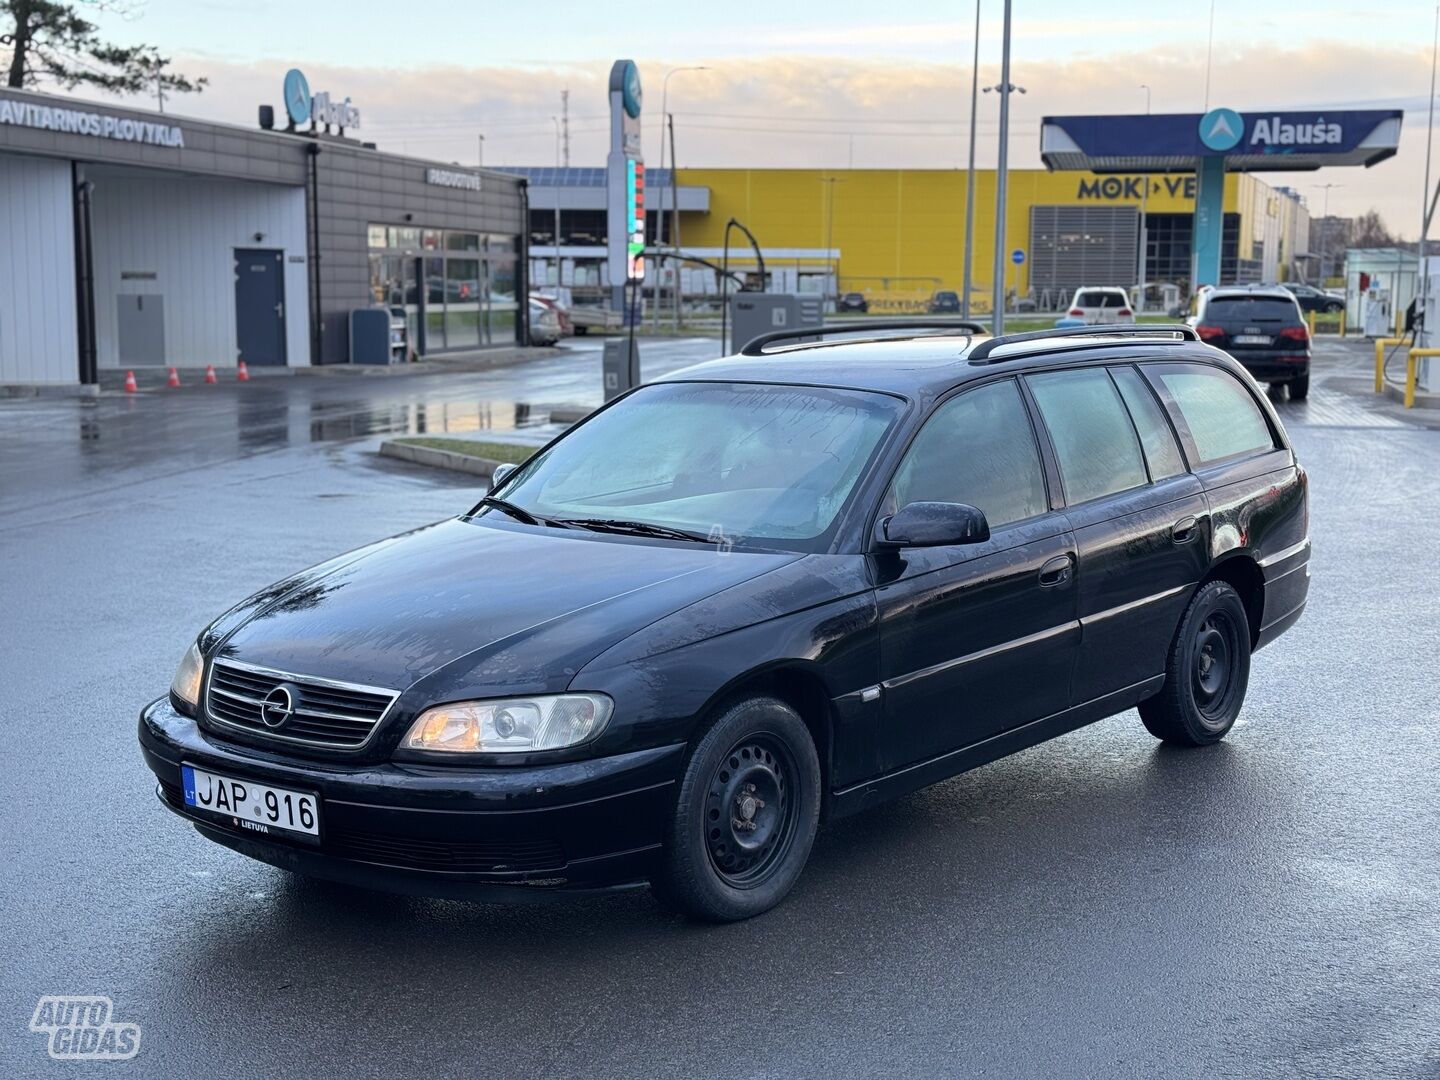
(135, 240)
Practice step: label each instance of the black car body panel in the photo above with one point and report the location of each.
(908, 665)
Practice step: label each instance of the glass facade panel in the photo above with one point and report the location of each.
(464, 295)
(462, 303)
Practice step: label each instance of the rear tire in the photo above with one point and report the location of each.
(1300, 387)
(745, 816)
(1206, 672)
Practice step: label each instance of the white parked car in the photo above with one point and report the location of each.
(1102, 305)
(544, 323)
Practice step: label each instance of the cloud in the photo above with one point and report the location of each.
(809, 110)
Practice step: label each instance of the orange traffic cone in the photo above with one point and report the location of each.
(130, 387)
(209, 373)
(242, 374)
(174, 381)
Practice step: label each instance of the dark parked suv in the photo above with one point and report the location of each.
(1262, 327)
(759, 594)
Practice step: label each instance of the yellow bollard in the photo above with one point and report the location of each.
(1380, 346)
(1310, 318)
(1412, 372)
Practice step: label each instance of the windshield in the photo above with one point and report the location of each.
(733, 463)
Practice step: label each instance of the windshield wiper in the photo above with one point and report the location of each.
(634, 528)
(519, 513)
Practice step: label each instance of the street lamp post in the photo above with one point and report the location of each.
(1144, 207)
(1004, 89)
(674, 193)
(970, 169)
(555, 188)
(1325, 233)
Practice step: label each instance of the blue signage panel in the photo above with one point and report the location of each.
(1017, 257)
(1221, 131)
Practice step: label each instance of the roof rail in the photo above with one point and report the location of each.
(756, 346)
(1160, 333)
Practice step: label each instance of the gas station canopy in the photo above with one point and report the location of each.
(1249, 142)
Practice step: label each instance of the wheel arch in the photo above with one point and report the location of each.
(1243, 574)
(798, 685)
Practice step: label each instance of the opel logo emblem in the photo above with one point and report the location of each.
(278, 707)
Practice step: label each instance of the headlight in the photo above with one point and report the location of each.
(186, 684)
(510, 725)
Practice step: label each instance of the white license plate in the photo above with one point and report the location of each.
(1251, 339)
(254, 807)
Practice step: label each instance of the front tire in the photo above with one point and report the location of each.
(746, 814)
(1206, 673)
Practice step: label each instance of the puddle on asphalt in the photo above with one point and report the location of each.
(330, 421)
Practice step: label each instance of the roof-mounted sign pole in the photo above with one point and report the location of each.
(624, 183)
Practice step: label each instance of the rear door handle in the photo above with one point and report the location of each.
(1183, 531)
(1056, 571)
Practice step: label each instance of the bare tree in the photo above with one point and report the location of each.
(52, 41)
(1369, 231)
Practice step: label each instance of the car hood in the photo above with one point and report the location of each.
(467, 604)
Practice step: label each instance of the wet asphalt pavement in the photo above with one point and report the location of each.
(1097, 906)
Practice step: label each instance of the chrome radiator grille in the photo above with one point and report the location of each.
(294, 708)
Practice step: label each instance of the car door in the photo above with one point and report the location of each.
(975, 638)
(1140, 519)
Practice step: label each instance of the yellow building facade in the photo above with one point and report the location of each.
(897, 235)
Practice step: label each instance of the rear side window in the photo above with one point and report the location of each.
(1252, 309)
(1161, 453)
(977, 448)
(1222, 417)
(1094, 440)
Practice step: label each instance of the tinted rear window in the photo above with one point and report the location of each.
(1252, 309)
(1101, 299)
(1222, 417)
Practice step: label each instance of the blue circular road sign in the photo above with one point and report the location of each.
(297, 96)
(1017, 257)
(1221, 129)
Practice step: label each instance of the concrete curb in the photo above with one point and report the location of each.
(440, 459)
(1424, 399)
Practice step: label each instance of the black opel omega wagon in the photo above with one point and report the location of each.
(762, 593)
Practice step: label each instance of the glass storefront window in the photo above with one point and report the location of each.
(503, 306)
(469, 300)
(462, 303)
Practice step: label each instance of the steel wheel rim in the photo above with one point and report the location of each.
(751, 810)
(1213, 663)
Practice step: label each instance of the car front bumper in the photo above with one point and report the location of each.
(489, 834)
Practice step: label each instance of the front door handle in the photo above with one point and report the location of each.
(1183, 531)
(1055, 572)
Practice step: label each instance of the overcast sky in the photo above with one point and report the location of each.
(803, 84)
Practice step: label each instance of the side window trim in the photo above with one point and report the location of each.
(1181, 440)
(1039, 441)
(1177, 416)
(1134, 426)
(1049, 446)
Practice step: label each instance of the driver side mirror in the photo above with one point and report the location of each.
(935, 524)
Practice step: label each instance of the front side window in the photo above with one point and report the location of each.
(1222, 417)
(1094, 440)
(977, 448)
(734, 461)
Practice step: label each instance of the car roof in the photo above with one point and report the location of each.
(925, 364)
(1263, 291)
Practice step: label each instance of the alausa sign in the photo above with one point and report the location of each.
(98, 125)
(1275, 132)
